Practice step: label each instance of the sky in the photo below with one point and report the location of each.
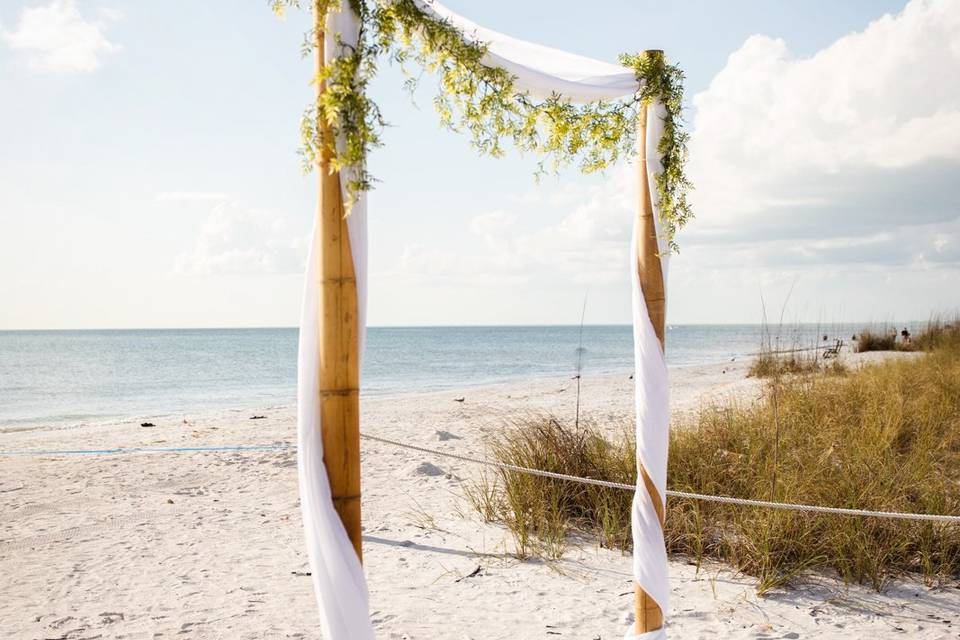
(149, 174)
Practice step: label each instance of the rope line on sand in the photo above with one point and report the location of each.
(132, 450)
(746, 502)
(673, 494)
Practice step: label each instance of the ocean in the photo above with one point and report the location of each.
(74, 377)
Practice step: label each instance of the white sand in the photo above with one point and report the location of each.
(209, 545)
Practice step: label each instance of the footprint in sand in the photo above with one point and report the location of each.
(428, 470)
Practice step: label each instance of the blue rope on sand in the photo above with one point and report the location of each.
(97, 452)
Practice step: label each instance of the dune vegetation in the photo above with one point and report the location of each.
(884, 437)
(770, 363)
(935, 332)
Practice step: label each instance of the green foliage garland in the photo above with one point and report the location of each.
(665, 82)
(484, 103)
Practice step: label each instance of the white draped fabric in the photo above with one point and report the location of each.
(338, 581)
(337, 575)
(542, 71)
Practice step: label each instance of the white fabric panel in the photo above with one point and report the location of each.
(338, 580)
(542, 71)
(345, 23)
(652, 404)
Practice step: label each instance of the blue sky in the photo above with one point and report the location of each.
(149, 175)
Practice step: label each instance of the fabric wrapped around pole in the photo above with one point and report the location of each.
(541, 72)
(652, 405)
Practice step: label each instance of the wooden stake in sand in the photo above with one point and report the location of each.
(338, 339)
(649, 617)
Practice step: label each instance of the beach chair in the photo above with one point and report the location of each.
(834, 351)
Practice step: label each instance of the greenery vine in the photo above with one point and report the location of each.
(483, 102)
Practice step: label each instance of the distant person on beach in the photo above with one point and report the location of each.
(905, 335)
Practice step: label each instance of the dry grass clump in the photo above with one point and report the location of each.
(885, 438)
(868, 340)
(769, 364)
(780, 355)
(936, 334)
(540, 512)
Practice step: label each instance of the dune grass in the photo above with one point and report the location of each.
(541, 513)
(935, 333)
(885, 437)
(769, 364)
(782, 354)
(868, 340)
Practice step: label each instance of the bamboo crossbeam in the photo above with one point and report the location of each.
(339, 344)
(649, 617)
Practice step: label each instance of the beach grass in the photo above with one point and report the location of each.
(541, 513)
(869, 340)
(937, 332)
(782, 354)
(885, 437)
(769, 364)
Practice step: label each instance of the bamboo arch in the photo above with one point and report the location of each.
(339, 335)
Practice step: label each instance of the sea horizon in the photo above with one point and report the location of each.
(78, 376)
(864, 323)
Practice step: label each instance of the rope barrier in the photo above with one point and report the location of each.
(673, 494)
(533, 472)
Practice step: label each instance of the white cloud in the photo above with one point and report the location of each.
(58, 38)
(839, 169)
(587, 245)
(493, 224)
(859, 137)
(237, 240)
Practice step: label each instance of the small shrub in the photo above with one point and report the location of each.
(936, 334)
(540, 512)
(868, 340)
(769, 364)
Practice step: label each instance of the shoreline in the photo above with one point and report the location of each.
(691, 387)
(56, 424)
(678, 374)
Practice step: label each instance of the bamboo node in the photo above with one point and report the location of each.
(339, 392)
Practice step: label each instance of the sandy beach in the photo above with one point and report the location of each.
(548, 248)
(210, 544)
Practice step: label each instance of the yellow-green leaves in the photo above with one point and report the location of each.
(483, 102)
(664, 82)
(279, 7)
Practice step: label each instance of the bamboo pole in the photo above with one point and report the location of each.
(649, 617)
(338, 339)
